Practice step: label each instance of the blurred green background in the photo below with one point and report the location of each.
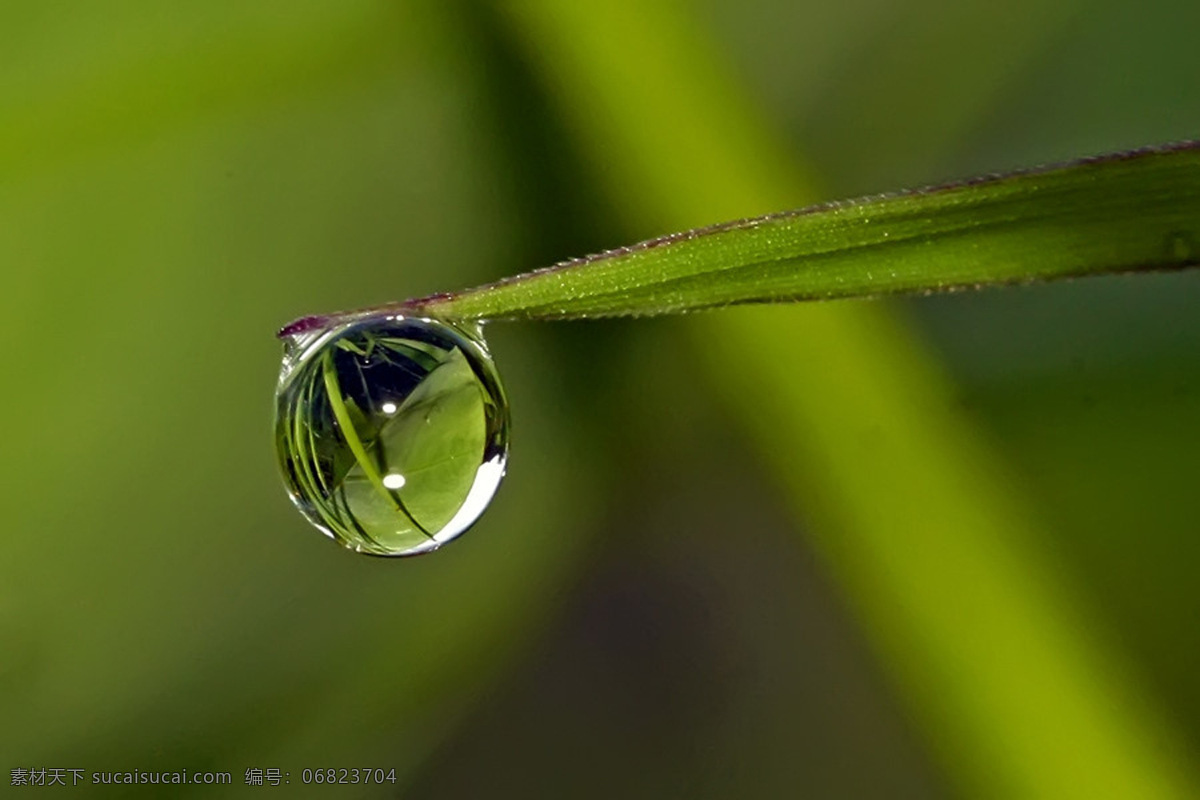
(643, 612)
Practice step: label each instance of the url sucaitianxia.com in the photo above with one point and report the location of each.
(254, 776)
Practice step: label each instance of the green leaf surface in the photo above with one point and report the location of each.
(1118, 213)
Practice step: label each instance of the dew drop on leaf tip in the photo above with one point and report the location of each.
(391, 431)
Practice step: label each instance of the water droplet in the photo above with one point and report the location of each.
(392, 432)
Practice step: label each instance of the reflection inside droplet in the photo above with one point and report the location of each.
(394, 476)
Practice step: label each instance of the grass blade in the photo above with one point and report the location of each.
(1118, 213)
